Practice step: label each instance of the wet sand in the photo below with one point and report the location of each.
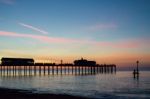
(6, 93)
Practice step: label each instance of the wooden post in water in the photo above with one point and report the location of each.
(64, 69)
(7, 70)
(101, 68)
(29, 70)
(44, 69)
(40, 70)
(20, 69)
(111, 69)
(79, 70)
(10, 70)
(105, 68)
(94, 70)
(72, 69)
(115, 68)
(68, 69)
(53, 70)
(26, 70)
(85, 70)
(88, 69)
(14, 70)
(61, 69)
(75, 70)
(57, 69)
(34, 70)
(48, 70)
(1, 69)
(91, 70)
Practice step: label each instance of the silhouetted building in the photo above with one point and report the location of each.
(84, 62)
(17, 61)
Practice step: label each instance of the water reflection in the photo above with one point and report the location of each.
(121, 83)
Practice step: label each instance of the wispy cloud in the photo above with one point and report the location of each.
(119, 44)
(38, 37)
(8, 2)
(33, 28)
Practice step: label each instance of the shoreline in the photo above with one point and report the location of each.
(6, 93)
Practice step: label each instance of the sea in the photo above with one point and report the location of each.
(119, 85)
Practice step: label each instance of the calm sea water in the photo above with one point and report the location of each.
(121, 85)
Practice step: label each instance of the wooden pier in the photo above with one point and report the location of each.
(27, 67)
(53, 69)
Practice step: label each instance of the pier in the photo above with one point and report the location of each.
(27, 67)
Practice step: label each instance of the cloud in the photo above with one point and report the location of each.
(96, 44)
(38, 37)
(8, 2)
(33, 28)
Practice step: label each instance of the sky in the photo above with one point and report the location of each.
(108, 31)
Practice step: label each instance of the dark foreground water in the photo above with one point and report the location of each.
(121, 85)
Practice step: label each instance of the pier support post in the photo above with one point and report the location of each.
(72, 69)
(79, 70)
(48, 70)
(75, 70)
(53, 70)
(57, 69)
(82, 70)
(65, 69)
(94, 70)
(1, 69)
(61, 69)
(7, 70)
(44, 69)
(40, 70)
(34, 70)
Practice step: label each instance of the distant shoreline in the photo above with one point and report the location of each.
(6, 93)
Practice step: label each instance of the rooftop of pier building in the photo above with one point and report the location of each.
(84, 62)
(17, 61)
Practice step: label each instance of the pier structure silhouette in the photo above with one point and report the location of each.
(27, 67)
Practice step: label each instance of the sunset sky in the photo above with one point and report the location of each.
(108, 31)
